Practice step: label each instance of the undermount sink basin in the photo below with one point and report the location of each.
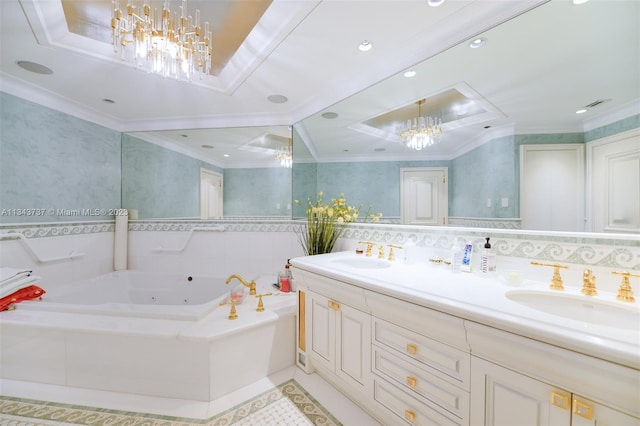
(587, 309)
(363, 263)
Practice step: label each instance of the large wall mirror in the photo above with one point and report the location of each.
(519, 85)
(208, 173)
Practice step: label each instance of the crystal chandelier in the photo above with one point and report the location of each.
(422, 131)
(285, 157)
(165, 42)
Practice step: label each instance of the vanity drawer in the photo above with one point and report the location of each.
(412, 377)
(447, 363)
(405, 407)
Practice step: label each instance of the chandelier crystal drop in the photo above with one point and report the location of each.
(422, 131)
(166, 42)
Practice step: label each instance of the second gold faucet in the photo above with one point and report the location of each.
(251, 285)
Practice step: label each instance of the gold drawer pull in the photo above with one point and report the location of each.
(334, 305)
(582, 409)
(411, 382)
(412, 349)
(409, 416)
(560, 400)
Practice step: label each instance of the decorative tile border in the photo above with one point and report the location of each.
(579, 248)
(593, 249)
(42, 230)
(287, 403)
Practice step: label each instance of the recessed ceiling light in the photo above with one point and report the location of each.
(435, 3)
(108, 101)
(329, 115)
(581, 111)
(580, 1)
(207, 146)
(34, 67)
(277, 99)
(477, 42)
(226, 155)
(410, 73)
(365, 46)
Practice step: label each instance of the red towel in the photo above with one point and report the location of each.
(27, 293)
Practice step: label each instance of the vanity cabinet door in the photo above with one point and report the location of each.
(501, 397)
(322, 337)
(340, 339)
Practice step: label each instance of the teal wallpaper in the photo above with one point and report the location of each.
(158, 182)
(257, 192)
(55, 167)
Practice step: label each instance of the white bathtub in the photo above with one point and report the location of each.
(180, 344)
(138, 294)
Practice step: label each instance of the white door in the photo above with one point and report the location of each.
(613, 168)
(210, 194)
(552, 187)
(424, 196)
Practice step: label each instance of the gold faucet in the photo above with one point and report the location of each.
(380, 251)
(556, 280)
(589, 283)
(625, 292)
(251, 285)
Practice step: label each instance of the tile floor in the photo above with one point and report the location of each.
(341, 407)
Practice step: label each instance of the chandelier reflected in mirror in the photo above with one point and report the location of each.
(285, 157)
(422, 131)
(162, 41)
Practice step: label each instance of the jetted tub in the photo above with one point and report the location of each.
(149, 334)
(138, 294)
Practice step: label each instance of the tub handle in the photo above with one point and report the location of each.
(16, 235)
(161, 249)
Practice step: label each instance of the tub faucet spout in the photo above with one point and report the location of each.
(251, 285)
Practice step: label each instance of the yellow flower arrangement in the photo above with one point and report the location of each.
(327, 222)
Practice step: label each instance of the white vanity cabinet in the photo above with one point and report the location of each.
(407, 363)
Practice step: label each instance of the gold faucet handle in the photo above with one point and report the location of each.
(589, 283)
(625, 292)
(391, 253)
(260, 307)
(556, 280)
(369, 247)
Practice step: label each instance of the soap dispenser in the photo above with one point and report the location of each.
(488, 258)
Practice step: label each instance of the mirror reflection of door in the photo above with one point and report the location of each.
(552, 187)
(210, 194)
(613, 166)
(424, 196)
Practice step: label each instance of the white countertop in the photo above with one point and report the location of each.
(482, 299)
